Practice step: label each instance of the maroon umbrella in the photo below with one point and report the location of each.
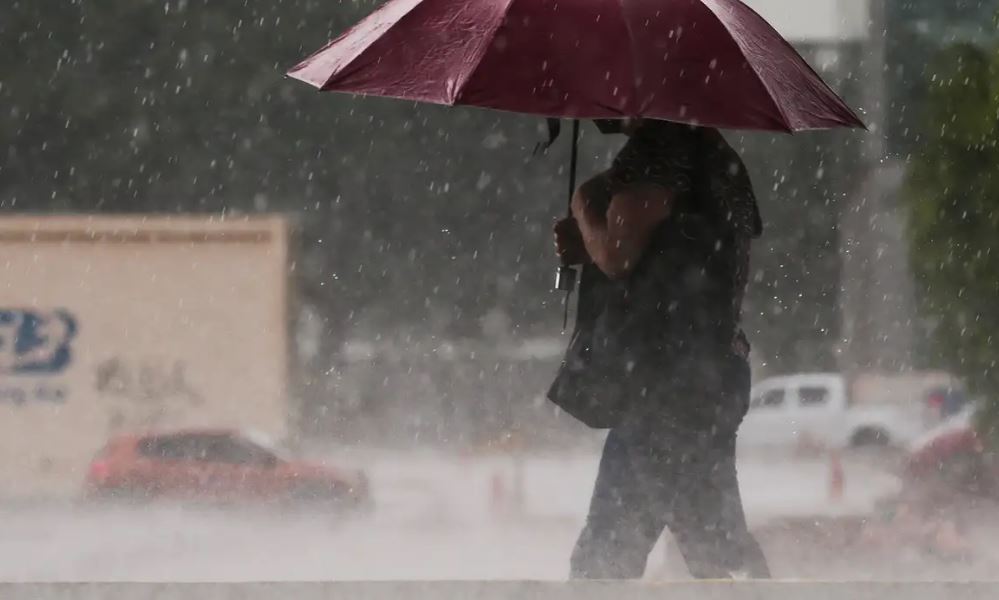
(705, 62)
(708, 62)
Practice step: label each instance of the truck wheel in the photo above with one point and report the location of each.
(966, 472)
(868, 437)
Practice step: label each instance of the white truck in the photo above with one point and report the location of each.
(829, 410)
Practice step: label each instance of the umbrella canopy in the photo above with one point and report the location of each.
(706, 62)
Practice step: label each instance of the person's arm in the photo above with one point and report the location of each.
(617, 238)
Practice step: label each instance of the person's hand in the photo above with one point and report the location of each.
(569, 243)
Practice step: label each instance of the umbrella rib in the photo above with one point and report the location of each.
(847, 113)
(359, 52)
(634, 57)
(738, 42)
(483, 50)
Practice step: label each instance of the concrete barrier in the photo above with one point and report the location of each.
(500, 591)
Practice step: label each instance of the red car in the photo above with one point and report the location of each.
(218, 465)
(953, 455)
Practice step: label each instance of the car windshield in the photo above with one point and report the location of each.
(265, 442)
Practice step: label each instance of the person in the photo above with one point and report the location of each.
(946, 401)
(669, 225)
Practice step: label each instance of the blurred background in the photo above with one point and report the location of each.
(308, 295)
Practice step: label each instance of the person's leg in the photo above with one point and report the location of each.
(675, 467)
(617, 538)
(703, 505)
(708, 521)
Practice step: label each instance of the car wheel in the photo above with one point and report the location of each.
(119, 495)
(870, 437)
(313, 493)
(322, 495)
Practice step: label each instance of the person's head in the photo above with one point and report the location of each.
(628, 125)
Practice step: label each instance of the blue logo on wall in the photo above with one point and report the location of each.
(35, 342)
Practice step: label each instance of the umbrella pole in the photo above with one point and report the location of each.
(565, 280)
(572, 162)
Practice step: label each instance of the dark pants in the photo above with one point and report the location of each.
(674, 468)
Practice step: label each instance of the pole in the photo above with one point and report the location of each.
(573, 160)
(875, 85)
(863, 289)
(565, 279)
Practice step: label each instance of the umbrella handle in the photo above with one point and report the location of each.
(565, 278)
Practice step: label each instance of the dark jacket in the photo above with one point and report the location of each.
(672, 321)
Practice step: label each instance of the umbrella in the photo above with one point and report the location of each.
(707, 62)
(714, 63)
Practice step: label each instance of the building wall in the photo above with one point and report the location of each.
(121, 324)
(816, 21)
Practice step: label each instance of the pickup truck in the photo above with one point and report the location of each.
(827, 409)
